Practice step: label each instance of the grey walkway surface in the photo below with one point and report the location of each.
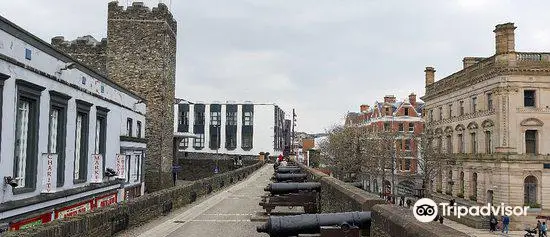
(232, 212)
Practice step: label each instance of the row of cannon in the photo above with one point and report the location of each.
(291, 188)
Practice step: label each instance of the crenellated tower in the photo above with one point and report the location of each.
(139, 54)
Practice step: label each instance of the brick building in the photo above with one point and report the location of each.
(492, 119)
(403, 118)
(139, 53)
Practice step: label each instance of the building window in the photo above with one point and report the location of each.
(129, 127)
(215, 118)
(28, 54)
(488, 144)
(407, 165)
(81, 141)
(449, 144)
(450, 110)
(199, 117)
(101, 133)
(431, 115)
(231, 118)
(386, 126)
(490, 101)
(135, 172)
(406, 111)
(529, 98)
(473, 143)
(401, 127)
(198, 142)
(461, 108)
(231, 141)
(128, 168)
(183, 119)
(387, 111)
(26, 135)
(184, 143)
(215, 137)
(474, 104)
(531, 141)
(408, 145)
(460, 143)
(57, 131)
(247, 141)
(22, 138)
(440, 113)
(138, 128)
(411, 127)
(248, 118)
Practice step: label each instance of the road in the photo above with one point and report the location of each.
(233, 212)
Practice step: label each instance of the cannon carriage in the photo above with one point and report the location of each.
(292, 195)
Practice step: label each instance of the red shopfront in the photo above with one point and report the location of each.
(65, 212)
(34, 221)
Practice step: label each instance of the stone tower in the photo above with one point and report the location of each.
(139, 54)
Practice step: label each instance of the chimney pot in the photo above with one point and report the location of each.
(430, 75)
(505, 38)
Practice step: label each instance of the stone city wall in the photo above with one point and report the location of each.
(387, 220)
(110, 220)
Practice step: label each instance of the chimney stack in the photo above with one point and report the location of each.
(430, 75)
(364, 108)
(389, 99)
(412, 99)
(504, 38)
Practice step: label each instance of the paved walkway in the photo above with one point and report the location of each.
(479, 232)
(232, 212)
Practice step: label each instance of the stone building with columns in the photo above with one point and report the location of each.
(491, 122)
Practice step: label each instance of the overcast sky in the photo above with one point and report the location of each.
(321, 57)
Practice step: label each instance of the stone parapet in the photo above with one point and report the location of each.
(399, 221)
(104, 221)
(138, 11)
(387, 220)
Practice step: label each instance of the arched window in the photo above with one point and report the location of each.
(530, 190)
(461, 182)
(474, 185)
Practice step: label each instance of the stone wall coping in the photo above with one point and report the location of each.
(404, 218)
(362, 197)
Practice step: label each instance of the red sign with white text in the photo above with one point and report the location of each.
(106, 200)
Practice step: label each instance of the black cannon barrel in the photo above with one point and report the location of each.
(288, 170)
(283, 226)
(290, 176)
(286, 188)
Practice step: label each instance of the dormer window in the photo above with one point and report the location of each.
(406, 112)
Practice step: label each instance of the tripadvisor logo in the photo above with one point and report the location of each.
(425, 210)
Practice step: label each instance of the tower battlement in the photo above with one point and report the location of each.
(85, 49)
(138, 11)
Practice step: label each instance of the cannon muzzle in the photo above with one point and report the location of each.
(283, 226)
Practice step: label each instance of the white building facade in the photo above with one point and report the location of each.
(71, 139)
(230, 128)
